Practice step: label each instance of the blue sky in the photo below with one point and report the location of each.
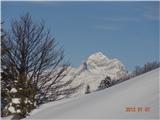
(128, 31)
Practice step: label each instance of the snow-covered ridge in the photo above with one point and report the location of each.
(94, 69)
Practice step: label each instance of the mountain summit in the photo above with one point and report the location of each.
(97, 57)
(98, 63)
(94, 69)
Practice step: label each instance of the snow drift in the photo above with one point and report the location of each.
(141, 91)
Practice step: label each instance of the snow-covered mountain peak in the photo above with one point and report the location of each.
(99, 63)
(96, 60)
(97, 57)
(95, 69)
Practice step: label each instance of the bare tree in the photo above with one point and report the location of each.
(34, 65)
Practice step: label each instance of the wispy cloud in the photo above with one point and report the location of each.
(106, 27)
(114, 23)
(151, 13)
(120, 19)
(152, 17)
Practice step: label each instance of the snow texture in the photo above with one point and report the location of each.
(13, 90)
(141, 91)
(16, 100)
(11, 109)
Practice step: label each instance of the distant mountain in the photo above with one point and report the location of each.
(93, 70)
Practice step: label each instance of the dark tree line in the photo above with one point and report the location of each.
(107, 82)
(33, 66)
(145, 68)
(138, 71)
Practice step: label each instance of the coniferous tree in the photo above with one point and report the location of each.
(5, 78)
(87, 89)
(105, 83)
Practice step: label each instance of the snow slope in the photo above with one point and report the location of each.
(141, 91)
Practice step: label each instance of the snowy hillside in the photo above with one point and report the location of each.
(139, 92)
(93, 70)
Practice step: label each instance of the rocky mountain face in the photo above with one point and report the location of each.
(93, 70)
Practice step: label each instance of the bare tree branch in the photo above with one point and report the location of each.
(36, 63)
